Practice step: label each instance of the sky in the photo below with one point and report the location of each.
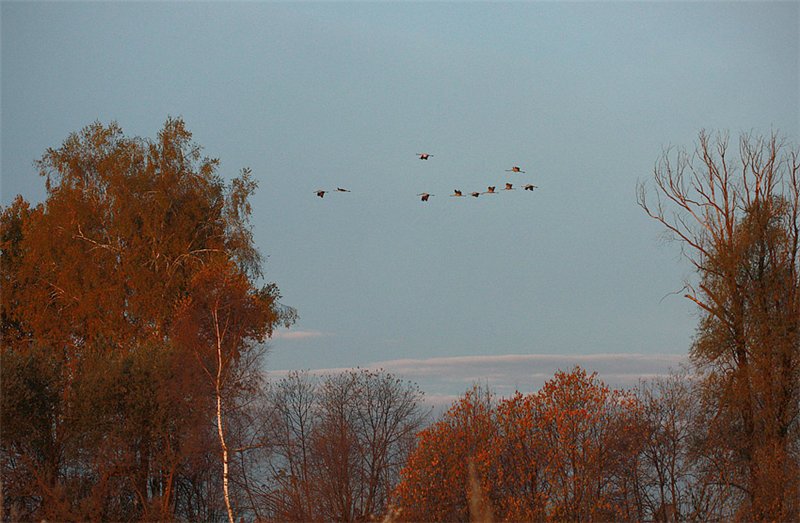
(583, 96)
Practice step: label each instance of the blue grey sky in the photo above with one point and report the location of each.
(584, 96)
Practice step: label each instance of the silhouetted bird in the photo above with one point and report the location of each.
(529, 187)
(456, 192)
(339, 189)
(490, 190)
(424, 156)
(424, 196)
(515, 169)
(509, 187)
(320, 193)
(475, 194)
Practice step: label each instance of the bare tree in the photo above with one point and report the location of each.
(338, 444)
(367, 424)
(675, 473)
(290, 416)
(738, 222)
(388, 417)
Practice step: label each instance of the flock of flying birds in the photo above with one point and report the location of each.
(492, 189)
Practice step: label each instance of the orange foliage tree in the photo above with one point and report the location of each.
(565, 453)
(222, 316)
(105, 416)
(591, 438)
(435, 480)
(736, 213)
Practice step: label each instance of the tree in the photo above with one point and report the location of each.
(738, 222)
(517, 449)
(567, 452)
(338, 444)
(435, 480)
(366, 425)
(674, 477)
(591, 439)
(219, 319)
(289, 417)
(92, 280)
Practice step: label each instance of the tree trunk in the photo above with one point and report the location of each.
(220, 431)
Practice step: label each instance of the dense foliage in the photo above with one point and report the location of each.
(567, 452)
(110, 291)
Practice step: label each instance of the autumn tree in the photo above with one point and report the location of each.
(591, 437)
(219, 319)
(105, 416)
(435, 480)
(516, 447)
(567, 452)
(736, 215)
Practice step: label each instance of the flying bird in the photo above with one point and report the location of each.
(320, 193)
(529, 187)
(339, 189)
(490, 190)
(424, 156)
(425, 196)
(509, 187)
(456, 192)
(475, 194)
(515, 169)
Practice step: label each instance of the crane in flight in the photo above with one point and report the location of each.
(424, 196)
(424, 156)
(515, 169)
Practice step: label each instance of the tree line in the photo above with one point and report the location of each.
(133, 328)
(576, 450)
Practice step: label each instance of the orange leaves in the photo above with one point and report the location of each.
(582, 426)
(435, 480)
(556, 454)
(139, 251)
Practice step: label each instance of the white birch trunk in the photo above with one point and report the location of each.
(221, 432)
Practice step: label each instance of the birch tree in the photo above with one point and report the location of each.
(223, 316)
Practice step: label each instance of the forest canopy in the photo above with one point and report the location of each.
(131, 321)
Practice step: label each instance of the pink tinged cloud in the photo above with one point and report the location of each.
(444, 379)
(296, 335)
